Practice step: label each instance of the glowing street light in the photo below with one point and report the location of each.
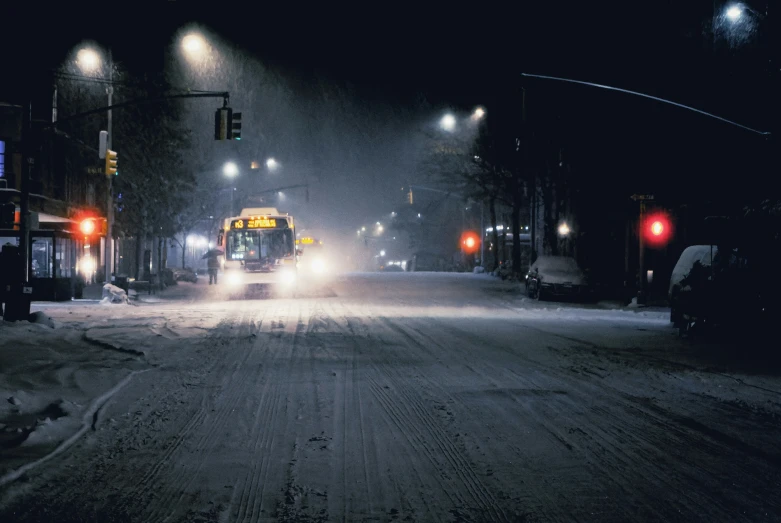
(88, 60)
(194, 44)
(230, 169)
(564, 229)
(478, 114)
(272, 164)
(448, 122)
(734, 12)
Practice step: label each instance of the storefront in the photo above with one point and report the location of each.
(54, 257)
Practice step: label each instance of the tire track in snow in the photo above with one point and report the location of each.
(352, 331)
(280, 345)
(413, 420)
(288, 340)
(624, 437)
(148, 481)
(481, 495)
(179, 483)
(593, 390)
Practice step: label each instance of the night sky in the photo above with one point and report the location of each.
(466, 55)
(452, 53)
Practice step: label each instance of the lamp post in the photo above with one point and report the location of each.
(230, 169)
(110, 191)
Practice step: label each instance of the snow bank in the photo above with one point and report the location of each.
(49, 377)
(113, 294)
(43, 319)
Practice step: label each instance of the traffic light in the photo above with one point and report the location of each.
(657, 229)
(470, 242)
(111, 163)
(87, 226)
(7, 215)
(222, 124)
(236, 126)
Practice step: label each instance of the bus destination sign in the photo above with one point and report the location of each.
(260, 222)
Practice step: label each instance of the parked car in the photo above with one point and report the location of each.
(694, 253)
(186, 274)
(559, 276)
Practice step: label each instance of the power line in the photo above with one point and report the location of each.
(650, 97)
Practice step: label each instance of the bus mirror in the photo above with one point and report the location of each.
(220, 237)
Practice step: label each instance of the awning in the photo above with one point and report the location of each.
(50, 218)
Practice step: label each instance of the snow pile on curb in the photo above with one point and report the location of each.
(113, 294)
(40, 318)
(48, 380)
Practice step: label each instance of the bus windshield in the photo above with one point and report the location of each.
(260, 244)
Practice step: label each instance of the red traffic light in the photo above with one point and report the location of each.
(657, 229)
(470, 241)
(87, 226)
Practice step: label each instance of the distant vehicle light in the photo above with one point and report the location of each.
(318, 265)
(234, 278)
(288, 277)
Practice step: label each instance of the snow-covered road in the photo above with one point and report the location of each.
(412, 397)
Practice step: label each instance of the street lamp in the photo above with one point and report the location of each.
(448, 122)
(272, 164)
(88, 60)
(478, 114)
(230, 169)
(734, 12)
(194, 45)
(564, 229)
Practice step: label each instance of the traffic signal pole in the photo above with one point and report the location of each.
(109, 244)
(24, 204)
(641, 294)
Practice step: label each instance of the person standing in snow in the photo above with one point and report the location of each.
(213, 264)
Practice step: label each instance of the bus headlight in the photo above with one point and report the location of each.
(318, 265)
(234, 278)
(287, 277)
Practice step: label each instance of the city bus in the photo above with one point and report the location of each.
(312, 258)
(259, 253)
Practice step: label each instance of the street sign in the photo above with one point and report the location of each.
(636, 197)
(102, 144)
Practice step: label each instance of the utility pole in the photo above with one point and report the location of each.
(532, 181)
(54, 103)
(641, 257)
(24, 204)
(482, 233)
(642, 280)
(109, 248)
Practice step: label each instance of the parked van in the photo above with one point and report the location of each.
(695, 253)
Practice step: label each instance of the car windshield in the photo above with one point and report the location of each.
(557, 264)
(258, 245)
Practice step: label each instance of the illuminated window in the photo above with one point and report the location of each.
(2, 159)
